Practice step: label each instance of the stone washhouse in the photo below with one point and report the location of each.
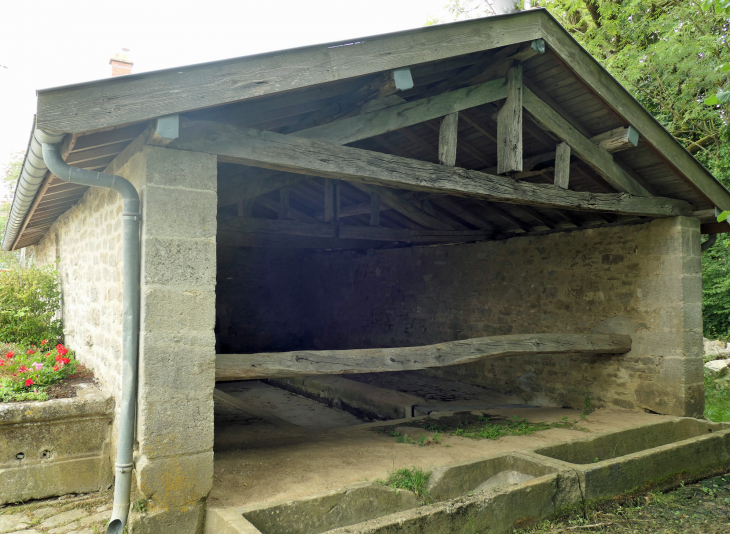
(478, 201)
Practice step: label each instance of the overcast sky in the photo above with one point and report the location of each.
(47, 43)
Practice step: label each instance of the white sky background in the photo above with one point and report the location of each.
(47, 43)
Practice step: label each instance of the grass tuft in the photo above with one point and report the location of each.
(412, 479)
(717, 398)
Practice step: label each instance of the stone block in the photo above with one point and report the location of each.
(179, 520)
(175, 312)
(176, 425)
(186, 262)
(175, 482)
(176, 212)
(179, 168)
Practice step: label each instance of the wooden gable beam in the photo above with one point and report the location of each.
(307, 156)
(596, 157)
(117, 101)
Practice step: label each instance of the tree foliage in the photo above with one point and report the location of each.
(8, 178)
(674, 58)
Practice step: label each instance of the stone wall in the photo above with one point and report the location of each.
(642, 280)
(174, 458)
(87, 243)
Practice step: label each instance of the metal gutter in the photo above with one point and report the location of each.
(51, 153)
(32, 173)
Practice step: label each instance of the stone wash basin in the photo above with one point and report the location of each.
(591, 450)
(484, 474)
(330, 510)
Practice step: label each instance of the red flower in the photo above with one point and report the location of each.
(65, 360)
(2, 362)
(29, 382)
(30, 351)
(55, 367)
(62, 351)
(44, 342)
(10, 355)
(23, 369)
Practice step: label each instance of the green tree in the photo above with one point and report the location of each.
(673, 56)
(8, 179)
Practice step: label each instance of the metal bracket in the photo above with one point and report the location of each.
(403, 79)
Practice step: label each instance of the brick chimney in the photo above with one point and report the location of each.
(121, 63)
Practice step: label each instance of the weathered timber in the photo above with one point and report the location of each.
(283, 364)
(597, 158)
(562, 165)
(593, 74)
(374, 209)
(275, 206)
(448, 138)
(404, 206)
(226, 238)
(399, 116)
(283, 212)
(715, 228)
(249, 188)
(509, 124)
(230, 224)
(307, 156)
(352, 210)
(618, 139)
(117, 101)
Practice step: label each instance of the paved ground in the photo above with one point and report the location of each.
(70, 514)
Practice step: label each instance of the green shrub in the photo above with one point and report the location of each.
(29, 302)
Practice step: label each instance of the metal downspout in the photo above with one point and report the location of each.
(130, 321)
(707, 245)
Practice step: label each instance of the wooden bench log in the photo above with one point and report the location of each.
(286, 364)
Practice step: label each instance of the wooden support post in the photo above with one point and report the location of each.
(509, 124)
(448, 139)
(329, 200)
(562, 165)
(244, 208)
(284, 203)
(374, 209)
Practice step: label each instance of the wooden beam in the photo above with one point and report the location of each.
(249, 188)
(275, 206)
(226, 238)
(715, 228)
(448, 139)
(381, 121)
(597, 158)
(618, 98)
(230, 224)
(618, 139)
(283, 211)
(306, 156)
(562, 165)
(374, 209)
(117, 100)
(509, 124)
(404, 206)
(284, 364)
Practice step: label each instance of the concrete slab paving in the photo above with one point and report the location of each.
(63, 518)
(13, 522)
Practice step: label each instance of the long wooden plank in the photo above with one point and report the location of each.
(393, 118)
(283, 364)
(597, 158)
(592, 73)
(117, 100)
(307, 156)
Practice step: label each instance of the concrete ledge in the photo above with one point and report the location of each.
(55, 447)
(506, 491)
(351, 396)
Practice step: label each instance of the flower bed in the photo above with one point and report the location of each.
(26, 374)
